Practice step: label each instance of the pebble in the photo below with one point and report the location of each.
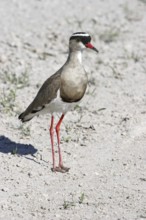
(3, 59)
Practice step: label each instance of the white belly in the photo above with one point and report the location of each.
(57, 105)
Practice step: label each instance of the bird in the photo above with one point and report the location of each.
(62, 91)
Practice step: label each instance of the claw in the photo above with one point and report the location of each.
(66, 169)
(60, 169)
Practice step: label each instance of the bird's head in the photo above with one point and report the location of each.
(80, 41)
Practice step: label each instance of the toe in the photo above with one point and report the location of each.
(58, 169)
(66, 169)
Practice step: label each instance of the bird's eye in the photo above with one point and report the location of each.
(78, 39)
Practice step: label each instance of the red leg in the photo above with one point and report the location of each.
(52, 141)
(58, 139)
(63, 169)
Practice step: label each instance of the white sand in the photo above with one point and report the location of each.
(105, 148)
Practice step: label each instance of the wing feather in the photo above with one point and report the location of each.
(45, 95)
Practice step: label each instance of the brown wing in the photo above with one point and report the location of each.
(46, 94)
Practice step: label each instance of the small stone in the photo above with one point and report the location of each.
(3, 58)
(30, 175)
(4, 189)
(57, 216)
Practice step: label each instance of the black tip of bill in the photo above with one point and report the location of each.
(95, 49)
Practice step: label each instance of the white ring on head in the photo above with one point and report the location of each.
(79, 35)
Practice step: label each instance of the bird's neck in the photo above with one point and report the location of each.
(75, 56)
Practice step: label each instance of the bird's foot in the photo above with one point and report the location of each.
(60, 169)
(66, 169)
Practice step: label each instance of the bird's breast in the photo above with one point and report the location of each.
(73, 85)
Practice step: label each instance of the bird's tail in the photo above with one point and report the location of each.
(25, 117)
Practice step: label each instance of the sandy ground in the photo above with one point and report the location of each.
(103, 141)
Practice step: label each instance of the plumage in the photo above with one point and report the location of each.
(46, 94)
(62, 90)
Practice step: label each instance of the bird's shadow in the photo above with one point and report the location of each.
(8, 146)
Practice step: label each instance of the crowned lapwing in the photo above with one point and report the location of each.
(62, 91)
